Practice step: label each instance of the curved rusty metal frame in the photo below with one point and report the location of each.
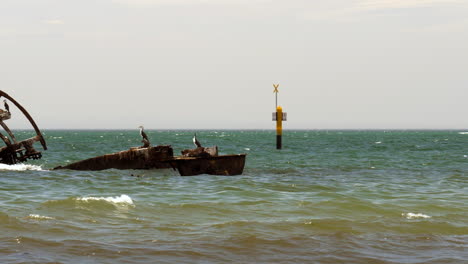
(28, 116)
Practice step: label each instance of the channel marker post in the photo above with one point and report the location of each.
(279, 116)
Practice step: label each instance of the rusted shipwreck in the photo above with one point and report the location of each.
(16, 151)
(193, 162)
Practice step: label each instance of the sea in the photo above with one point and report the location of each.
(325, 197)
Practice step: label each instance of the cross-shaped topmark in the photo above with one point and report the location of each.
(276, 88)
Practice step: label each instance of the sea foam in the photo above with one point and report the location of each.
(19, 167)
(414, 216)
(39, 217)
(122, 199)
(463, 133)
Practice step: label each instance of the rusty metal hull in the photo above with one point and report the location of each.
(162, 157)
(226, 165)
(134, 158)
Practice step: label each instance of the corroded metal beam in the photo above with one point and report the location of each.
(7, 129)
(5, 139)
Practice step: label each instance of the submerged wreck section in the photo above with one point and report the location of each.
(214, 165)
(207, 161)
(16, 151)
(134, 158)
(192, 162)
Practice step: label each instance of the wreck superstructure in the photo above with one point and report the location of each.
(16, 151)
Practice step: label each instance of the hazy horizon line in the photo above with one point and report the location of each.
(249, 129)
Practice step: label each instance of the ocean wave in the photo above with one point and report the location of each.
(463, 133)
(20, 167)
(118, 200)
(414, 216)
(92, 203)
(39, 217)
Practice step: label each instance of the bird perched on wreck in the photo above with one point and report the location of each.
(195, 141)
(145, 140)
(7, 107)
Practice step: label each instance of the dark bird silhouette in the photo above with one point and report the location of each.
(195, 141)
(145, 140)
(6, 106)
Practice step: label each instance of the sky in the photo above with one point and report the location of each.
(211, 64)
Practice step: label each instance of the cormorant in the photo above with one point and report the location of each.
(6, 106)
(145, 139)
(195, 141)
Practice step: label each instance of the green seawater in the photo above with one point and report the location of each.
(326, 197)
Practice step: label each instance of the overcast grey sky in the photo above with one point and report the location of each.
(200, 64)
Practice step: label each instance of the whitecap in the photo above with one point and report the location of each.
(247, 148)
(39, 217)
(122, 199)
(463, 133)
(19, 167)
(414, 216)
(378, 142)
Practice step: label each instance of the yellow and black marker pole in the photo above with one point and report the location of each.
(279, 117)
(279, 127)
